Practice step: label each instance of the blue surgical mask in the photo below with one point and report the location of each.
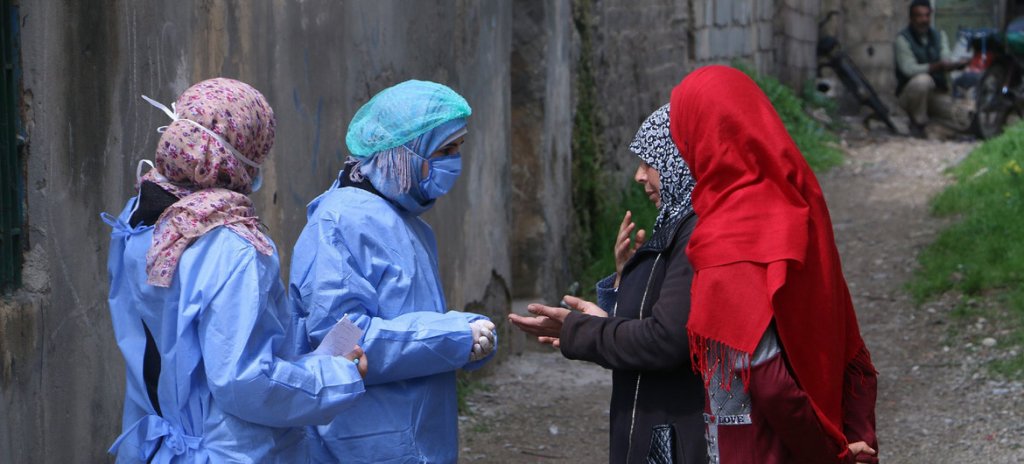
(443, 173)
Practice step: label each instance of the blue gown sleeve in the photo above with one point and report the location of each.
(241, 332)
(414, 342)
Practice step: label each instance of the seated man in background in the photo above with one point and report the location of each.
(922, 66)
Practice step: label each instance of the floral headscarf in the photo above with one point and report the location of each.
(653, 144)
(209, 157)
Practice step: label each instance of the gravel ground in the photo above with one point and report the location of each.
(937, 402)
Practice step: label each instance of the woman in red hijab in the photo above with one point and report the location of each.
(772, 326)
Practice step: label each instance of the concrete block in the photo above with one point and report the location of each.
(741, 12)
(767, 9)
(883, 8)
(749, 41)
(765, 35)
(854, 35)
(719, 43)
(723, 13)
(884, 34)
(699, 13)
(806, 27)
(702, 44)
(738, 36)
(709, 11)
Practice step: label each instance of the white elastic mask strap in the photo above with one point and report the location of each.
(173, 114)
(138, 181)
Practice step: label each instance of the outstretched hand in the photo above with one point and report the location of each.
(547, 324)
(584, 306)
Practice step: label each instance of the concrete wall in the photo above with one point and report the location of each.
(639, 54)
(796, 37)
(85, 64)
(866, 31)
(541, 73)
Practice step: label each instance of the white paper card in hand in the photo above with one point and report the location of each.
(341, 340)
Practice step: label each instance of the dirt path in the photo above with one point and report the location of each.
(936, 403)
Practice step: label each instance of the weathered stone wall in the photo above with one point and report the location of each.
(727, 31)
(639, 53)
(796, 37)
(644, 48)
(85, 65)
(541, 143)
(866, 32)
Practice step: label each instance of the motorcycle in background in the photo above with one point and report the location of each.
(977, 45)
(1000, 90)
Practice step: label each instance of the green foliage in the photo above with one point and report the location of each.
(588, 179)
(818, 145)
(598, 209)
(606, 230)
(983, 250)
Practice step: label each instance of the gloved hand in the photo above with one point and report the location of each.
(483, 339)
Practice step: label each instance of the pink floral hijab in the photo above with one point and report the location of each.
(209, 157)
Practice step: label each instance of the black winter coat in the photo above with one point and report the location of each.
(644, 342)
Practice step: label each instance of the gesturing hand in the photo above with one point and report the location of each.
(547, 325)
(584, 306)
(625, 246)
(548, 322)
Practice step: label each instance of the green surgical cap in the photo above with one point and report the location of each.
(401, 113)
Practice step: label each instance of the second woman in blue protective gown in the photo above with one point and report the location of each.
(366, 254)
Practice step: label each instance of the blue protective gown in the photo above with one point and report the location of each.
(361, 256)
(221, 329)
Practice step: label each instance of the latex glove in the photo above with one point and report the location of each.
(483, 339)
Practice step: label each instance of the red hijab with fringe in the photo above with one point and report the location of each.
(763, 248)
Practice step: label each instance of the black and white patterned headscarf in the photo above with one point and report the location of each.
(653, 144)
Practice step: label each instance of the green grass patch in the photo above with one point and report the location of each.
(983, 251)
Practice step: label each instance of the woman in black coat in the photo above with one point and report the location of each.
(638, 327)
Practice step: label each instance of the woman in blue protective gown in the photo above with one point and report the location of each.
(197, 303)
(365, 254)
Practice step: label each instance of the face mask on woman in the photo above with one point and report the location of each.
(442, 174)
